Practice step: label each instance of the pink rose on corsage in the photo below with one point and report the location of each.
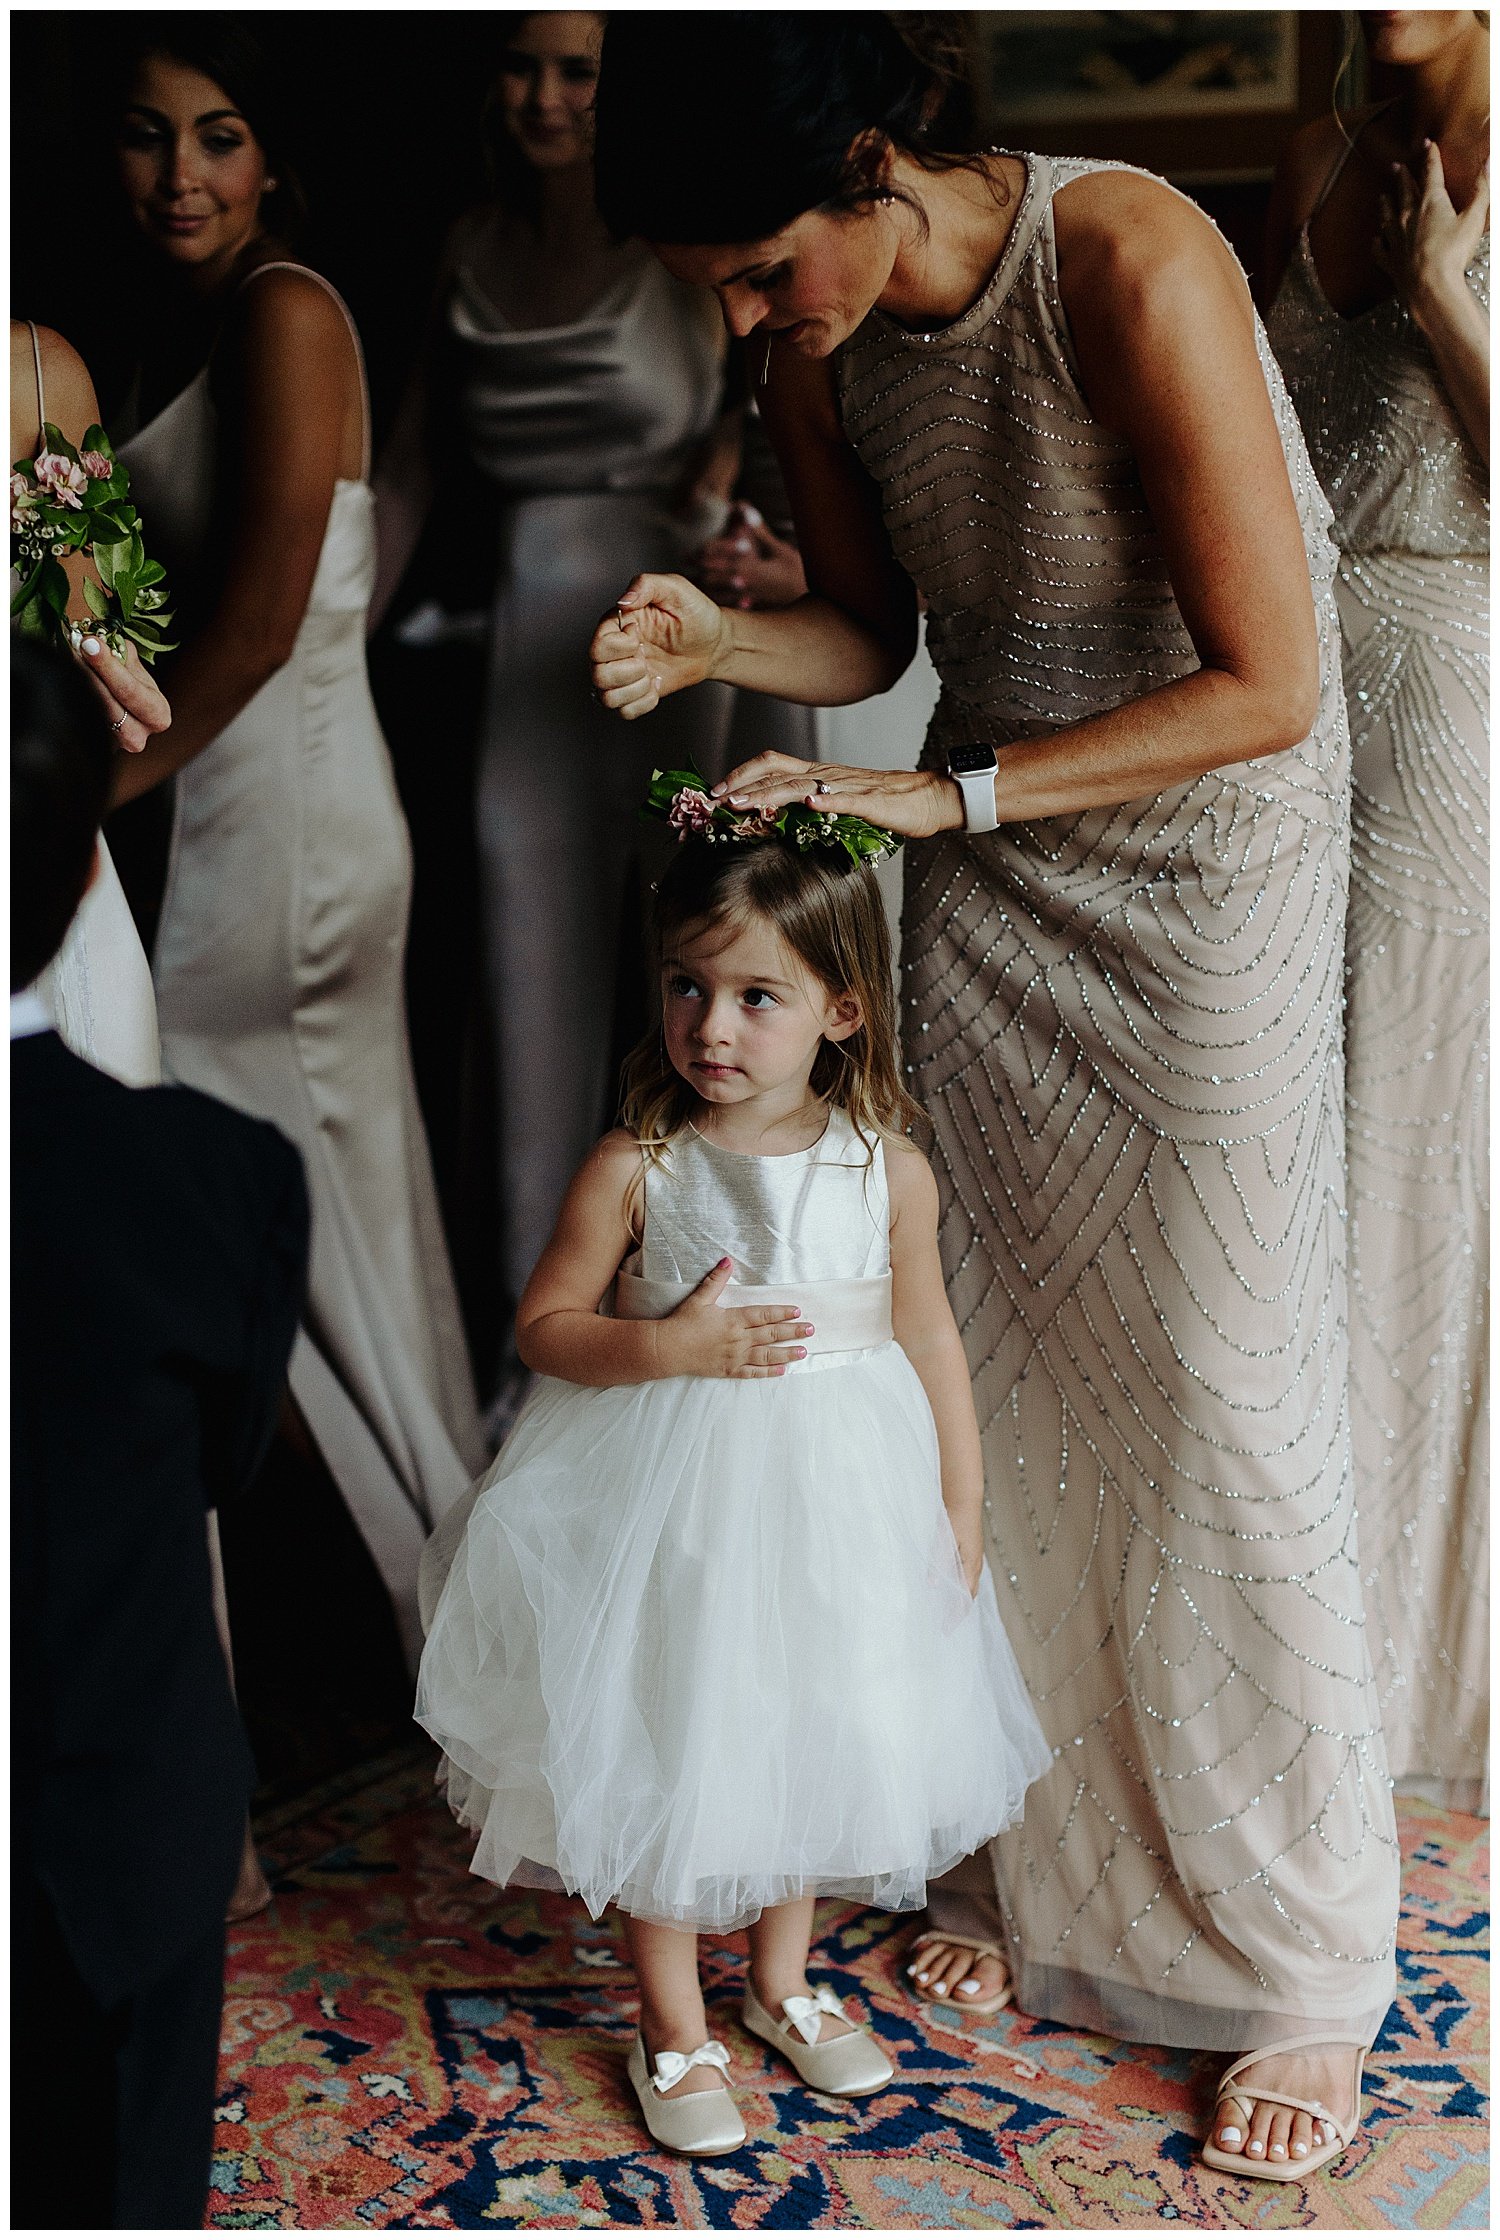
(691, 811)
(96, 466)
(66, 481)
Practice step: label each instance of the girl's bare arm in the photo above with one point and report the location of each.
(928, 1335)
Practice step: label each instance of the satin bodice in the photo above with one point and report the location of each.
(1388, 447)
(616, 400)
(816, 1222)
(812, 1216)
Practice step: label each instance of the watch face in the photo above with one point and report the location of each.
(968, 762)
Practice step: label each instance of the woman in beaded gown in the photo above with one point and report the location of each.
(278, 956)
(1051, 408)
(1393, 393)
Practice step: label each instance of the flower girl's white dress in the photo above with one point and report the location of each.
(705, 1645)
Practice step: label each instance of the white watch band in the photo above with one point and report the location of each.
(978, 790)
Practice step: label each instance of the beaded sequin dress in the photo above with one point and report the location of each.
(1125, 1025)
(1412, 522)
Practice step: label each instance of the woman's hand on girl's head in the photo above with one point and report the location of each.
(915, 803)
(702, 1339)
(664, 635)
(1424, 243)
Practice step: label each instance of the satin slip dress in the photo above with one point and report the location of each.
(278, 974)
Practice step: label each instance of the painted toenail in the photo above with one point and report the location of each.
(920, 1974)
(970, 1983)
(1298, 2147)
(1281, 2151)
(1229, 2137)
(939, 1989)
(1255, 2147)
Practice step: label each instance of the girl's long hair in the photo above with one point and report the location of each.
(833, 922)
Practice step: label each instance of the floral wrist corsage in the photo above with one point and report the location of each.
(682, 799)
(64, 502)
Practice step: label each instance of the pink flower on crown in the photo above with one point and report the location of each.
(96, 466)
(755, 825)
(61, 477)
(691, 811)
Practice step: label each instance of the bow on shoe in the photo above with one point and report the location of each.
(803, 2014)
(671, 2068)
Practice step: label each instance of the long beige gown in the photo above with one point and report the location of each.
(1412, 523)
(278, 973)
(1125, 1026)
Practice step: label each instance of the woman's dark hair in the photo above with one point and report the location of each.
(724, 125)
(59, 785)
(255, 77)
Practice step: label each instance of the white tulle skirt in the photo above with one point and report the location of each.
(705, 1646)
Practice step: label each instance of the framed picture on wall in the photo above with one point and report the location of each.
(1135, 62)
(1201, 93)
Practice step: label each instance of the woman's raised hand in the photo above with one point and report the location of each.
(915, 803)
(664, 635)
(703, 1339)
(1424, 243)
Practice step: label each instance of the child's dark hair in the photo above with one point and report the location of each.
(833, 921)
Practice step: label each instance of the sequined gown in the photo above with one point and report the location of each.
(1412, 523)
(1125, 1025)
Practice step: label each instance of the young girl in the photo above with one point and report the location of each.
(716, 1638)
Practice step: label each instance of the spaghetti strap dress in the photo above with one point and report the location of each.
(1125, 1025)
(1411, 505)
(278, 974)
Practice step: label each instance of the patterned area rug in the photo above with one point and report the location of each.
(403, 2048)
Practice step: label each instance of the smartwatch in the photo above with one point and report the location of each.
(974, 771)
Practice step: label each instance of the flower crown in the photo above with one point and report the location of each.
(67, 501)
(681, 799)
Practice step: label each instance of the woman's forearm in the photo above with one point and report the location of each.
(1457, 329)
(812, 652)
(1206, 721)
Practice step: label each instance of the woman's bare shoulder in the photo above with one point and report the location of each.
(67, 389)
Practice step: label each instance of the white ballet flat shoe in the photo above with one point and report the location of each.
(696, 2122)
(849, 2066)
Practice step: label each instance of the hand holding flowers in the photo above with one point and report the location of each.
(68, 503)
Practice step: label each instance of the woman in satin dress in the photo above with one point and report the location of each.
(576, 381)
(1037, 390)
(1379, 272)
(278, 956)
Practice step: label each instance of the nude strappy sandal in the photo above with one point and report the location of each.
(981, 1951)
(1239, 2165)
